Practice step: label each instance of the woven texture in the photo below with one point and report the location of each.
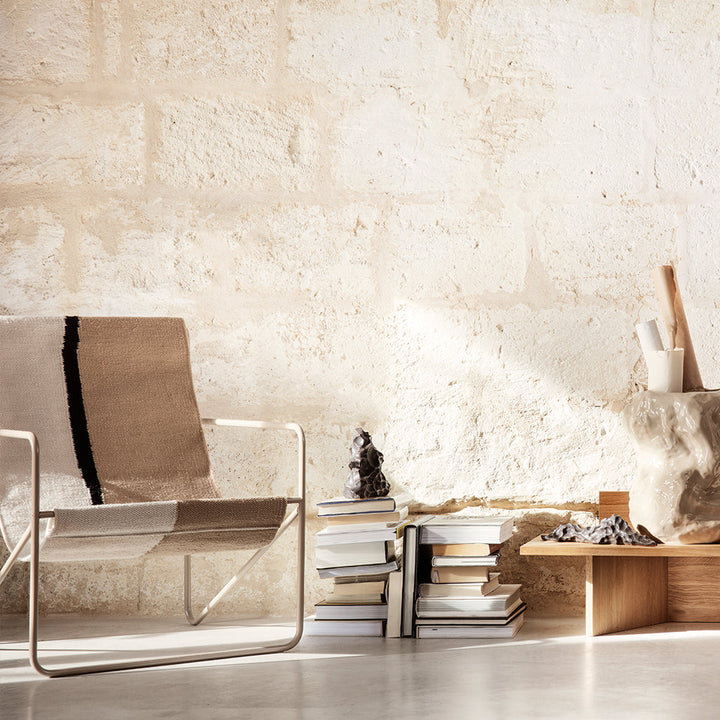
(123, 458)
(164, 527)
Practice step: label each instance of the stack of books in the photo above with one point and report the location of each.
(360, 549)
(459, 593)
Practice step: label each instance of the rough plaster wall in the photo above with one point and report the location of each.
(434, 219)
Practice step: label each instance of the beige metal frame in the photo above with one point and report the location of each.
(32, 534)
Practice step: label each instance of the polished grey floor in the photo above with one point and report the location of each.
(550, 670)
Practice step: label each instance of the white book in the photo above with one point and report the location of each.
(374, 611)
(351, 506)
(464, 561)
(353, 534)
(479, 632)
(366, 599)
(499, 618)
(498, 601)
(366, 521)
(347, 554)
(357, 570)
(457, 529)
(342, 628)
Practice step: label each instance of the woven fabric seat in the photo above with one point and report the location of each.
(124, 468)
(127, 530)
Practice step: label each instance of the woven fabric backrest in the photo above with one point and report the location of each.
(112, 403)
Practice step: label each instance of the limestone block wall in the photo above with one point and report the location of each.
(432, 219)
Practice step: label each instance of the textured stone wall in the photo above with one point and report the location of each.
(433, 219)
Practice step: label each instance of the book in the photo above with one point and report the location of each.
(342, 628)
(463, 561)
(488, 619)
(466, 549)
(411, 558)
(352, 579)
(350, 534)
(499, 600)
(359, 599)
(448, 530)
(469, 574)
(459, 589)
(345, 506)
(394, 593)
(372, 569)
(347, 554)
(368, 521)
(358, 587)
(478, 632)
(328, 611)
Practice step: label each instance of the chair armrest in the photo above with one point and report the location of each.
(19, 435)
(270, 425)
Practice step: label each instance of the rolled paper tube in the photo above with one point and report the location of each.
(676, 323)
(665, 370)
(649, 337)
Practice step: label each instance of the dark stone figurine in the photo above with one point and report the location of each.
(609, 531)
(366, 479)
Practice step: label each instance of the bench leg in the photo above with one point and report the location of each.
(624, 593)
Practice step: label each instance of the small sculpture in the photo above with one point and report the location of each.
(366, 479)
(610, 531)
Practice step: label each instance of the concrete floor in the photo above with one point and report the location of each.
(550, 670)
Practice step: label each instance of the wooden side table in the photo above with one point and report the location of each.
(630, 586)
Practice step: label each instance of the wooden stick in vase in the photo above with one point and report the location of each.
(676, 323)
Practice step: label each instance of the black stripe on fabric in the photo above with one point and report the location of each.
(76, 408)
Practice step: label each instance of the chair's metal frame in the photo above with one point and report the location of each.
(32, 534)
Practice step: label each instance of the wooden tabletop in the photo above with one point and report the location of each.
(538, 546)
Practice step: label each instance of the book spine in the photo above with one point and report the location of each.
(411, 558)
(409, 566)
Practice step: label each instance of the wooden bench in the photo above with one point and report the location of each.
(630, 586)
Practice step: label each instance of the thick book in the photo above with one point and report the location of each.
(346, 554)
(478, 632)
(440, 590)
(469, 574)
(346, 506)
(411, 558)
(357, 570)
(327, 611)
(343, 628)
(446, 530)
(502, 618)
(369, 521)
(497, 601)
(465, 561)
(394, 593)
(466, 549)
(349, 534)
